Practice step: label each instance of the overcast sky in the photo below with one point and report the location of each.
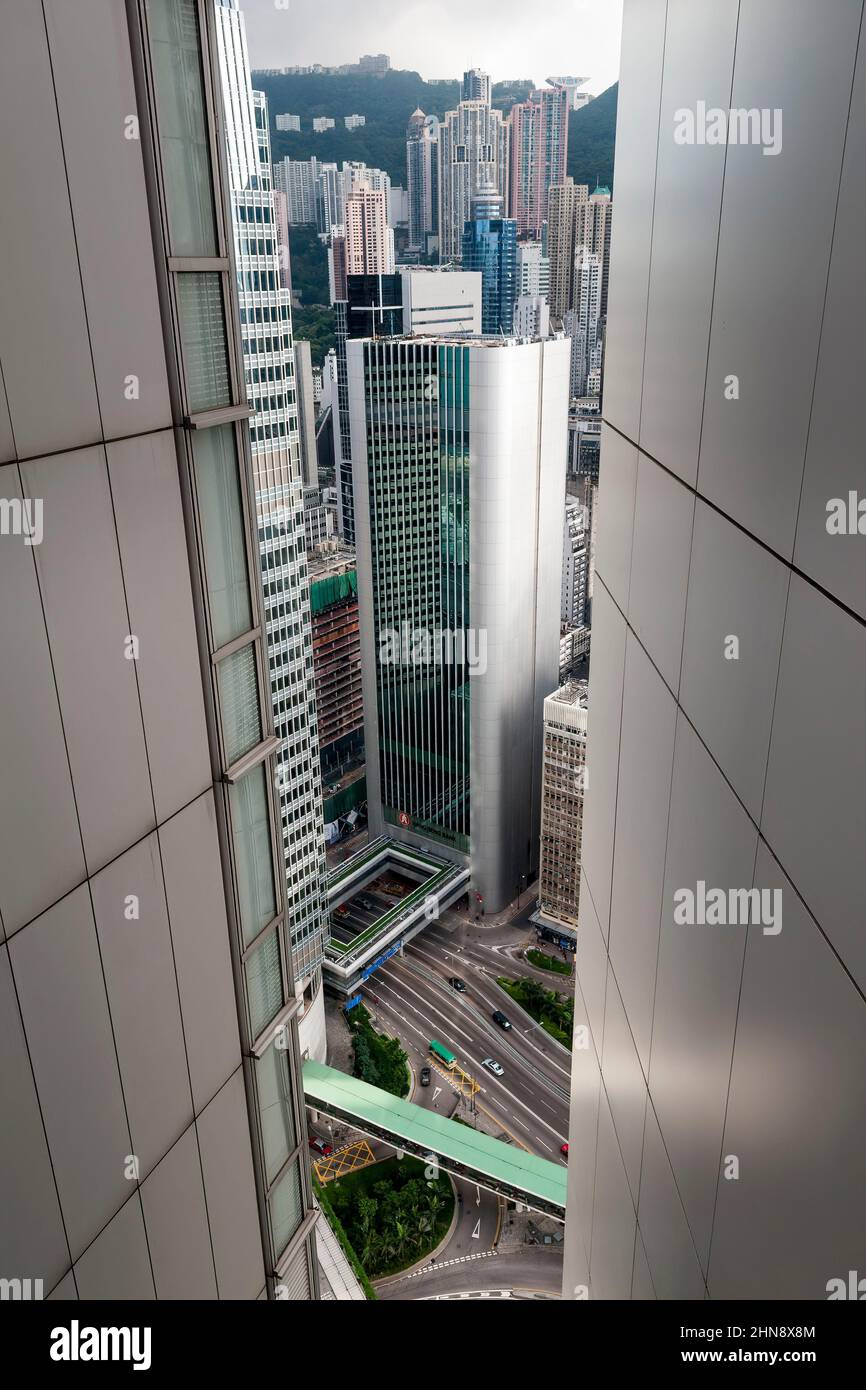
(439, 38)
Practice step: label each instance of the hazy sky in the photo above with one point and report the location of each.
(439, 38)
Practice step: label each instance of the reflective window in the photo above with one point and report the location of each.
(264, 983)
(219, 505)
(240, 714)
(203, 339)
(174, 41)
(275, 1109)
(251, 830)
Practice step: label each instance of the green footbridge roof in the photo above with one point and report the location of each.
(492, 1163)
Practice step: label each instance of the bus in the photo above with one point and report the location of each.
(442, 1053)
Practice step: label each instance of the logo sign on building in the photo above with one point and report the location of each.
(380, 960)
(405, 819)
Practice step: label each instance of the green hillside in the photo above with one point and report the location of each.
(591, 137)
(387, 102)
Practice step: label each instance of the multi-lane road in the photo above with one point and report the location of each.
(411, 998)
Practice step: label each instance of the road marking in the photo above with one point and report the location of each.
(476, 1234)
(437, 1092)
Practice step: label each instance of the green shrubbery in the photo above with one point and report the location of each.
(391, 1214)
(379, 1060)
(555, 1012)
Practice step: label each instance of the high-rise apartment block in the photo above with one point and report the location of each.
(354, 122)
(475, 86)
(721, 957)
(577, 219)
(490, 247)
(297, 179)
(539, 147)
(154, 1139)
(459, 602)
(272, 392)
(473, 154)
(369, 238)
(422, 179)
(286, 121)
(562, 795)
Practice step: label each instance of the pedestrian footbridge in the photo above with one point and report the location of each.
(466, 1153)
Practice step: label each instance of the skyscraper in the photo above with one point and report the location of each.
(533, 269)
(369, 238)
(153, 1142)
(562, 795)
(273, 392)
(458, 449)
(490, 246)
(422, 179)
(373, 306)
(475, 86)
(473, 154)
(563, 201)
(717, 1124)
(539, 147)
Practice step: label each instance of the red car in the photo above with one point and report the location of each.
(563, 1149)
(321, 1146)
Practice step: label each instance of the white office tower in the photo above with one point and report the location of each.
(533, 269)
(458, 453)
(152, 1142)
(473, 154)
(422, 178)
(440, 301)
(575, 563)
(718, 1120)
(531, 316)
(369, 238)
(266, 331)
(563, 788)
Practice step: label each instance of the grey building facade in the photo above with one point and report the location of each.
(717, 1124)
(458, 451)
(154, 1141)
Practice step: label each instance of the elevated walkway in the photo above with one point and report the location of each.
(491, 1163)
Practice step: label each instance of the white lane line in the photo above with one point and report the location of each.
(515, 1099)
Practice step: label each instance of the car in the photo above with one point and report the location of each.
(563, 1149)
(320, 1146)
(342, 910)
(456, 983)
(425, 1076)
(499, 1017)
(493, 1066)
